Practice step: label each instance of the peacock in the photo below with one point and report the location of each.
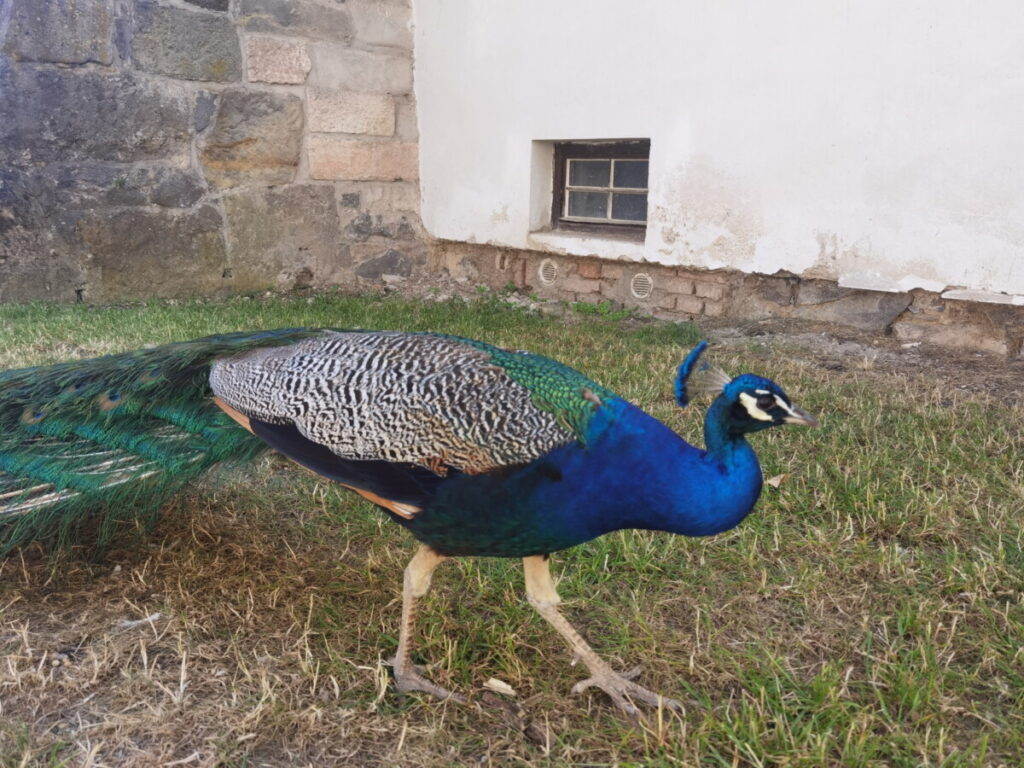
(474, 449)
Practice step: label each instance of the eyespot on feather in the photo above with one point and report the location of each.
(108, 401)
(32, 415)
(153, 374)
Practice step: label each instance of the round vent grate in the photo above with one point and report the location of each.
(548, 272)
(641, 286)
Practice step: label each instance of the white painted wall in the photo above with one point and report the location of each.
(874, 142)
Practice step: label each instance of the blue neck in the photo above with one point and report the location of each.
(720, 441)
(631, 472)
(651, 478)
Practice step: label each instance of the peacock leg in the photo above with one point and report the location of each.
(540, 591)
(416, 582)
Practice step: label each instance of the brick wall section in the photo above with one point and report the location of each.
(678, 293)
(683, 293)
(189, 147)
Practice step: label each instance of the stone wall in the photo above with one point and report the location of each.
(182, 147)
(686, 293)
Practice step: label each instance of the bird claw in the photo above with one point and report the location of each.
(409, 678)
(621, 688)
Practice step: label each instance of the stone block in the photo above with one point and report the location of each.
(336, 158)
(59, 192)
(867, 310)
(185, 44)
(762, 295)
(336, 66)
(714, 308)
(255, 139)
(611, 271)
(821, 292)
(269, 60)
(382, 197)
(673, 284)
(285, 238)
(61, 115)
(577, 284)
(350, 112)
(35, 267)
(177, 189)
(297, 17)
(382, 22)
(591, 270)
(39, 259)
(689, 305)
(206, 105)
(406, 125)
(663, 300)
(392, 225)
(714, 291)
(703, 276)
(210, 5)
(78, 32)
(137, 252)
(964, 334)
(100, 185)
(374, 262)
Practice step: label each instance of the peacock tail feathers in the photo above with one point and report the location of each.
(113, 437)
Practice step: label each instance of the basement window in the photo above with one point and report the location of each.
(601, 186)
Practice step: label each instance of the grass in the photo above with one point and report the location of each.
(870, 612)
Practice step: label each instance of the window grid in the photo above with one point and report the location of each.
(625, 201)
(609, 191)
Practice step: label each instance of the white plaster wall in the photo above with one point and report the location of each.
(874, 142)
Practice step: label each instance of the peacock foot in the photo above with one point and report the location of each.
(409, 678)
(623, 691)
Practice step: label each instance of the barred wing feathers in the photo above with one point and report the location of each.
(438, 402)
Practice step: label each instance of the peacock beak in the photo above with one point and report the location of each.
(800, 416)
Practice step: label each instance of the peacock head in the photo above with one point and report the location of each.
(748, 403)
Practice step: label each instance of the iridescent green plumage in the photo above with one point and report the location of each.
(113, 437)
(558, 389)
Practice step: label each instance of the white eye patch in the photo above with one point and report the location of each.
(750, 403)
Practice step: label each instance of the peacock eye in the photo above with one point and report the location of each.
(765, 402)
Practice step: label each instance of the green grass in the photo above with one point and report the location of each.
(870, 612)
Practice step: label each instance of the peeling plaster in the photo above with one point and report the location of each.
(985, 297)
(784, 137)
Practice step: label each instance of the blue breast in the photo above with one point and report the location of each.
(631, 472)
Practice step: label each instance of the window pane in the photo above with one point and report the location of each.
(589, 173)
(593, 205)
(631, 173)
(629, 207)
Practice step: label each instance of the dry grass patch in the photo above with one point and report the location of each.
(869, 613)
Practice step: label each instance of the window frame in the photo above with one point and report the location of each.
(564, 151)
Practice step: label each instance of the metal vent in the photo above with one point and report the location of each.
(547, 272)
(641, 286)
